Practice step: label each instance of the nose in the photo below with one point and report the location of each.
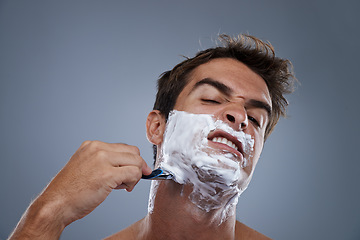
(236, 117)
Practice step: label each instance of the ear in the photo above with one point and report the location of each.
(155, 127)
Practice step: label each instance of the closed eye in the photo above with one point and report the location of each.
(210, 101)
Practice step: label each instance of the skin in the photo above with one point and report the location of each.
(234, 107)
(97, 168)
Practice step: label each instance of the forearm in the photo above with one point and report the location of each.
(87, 179)
(42, 220)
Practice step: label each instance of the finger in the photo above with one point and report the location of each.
(120, 159)
(128, 155)
(113, 147)
(146, 170)
(126, 177)
(129, 159)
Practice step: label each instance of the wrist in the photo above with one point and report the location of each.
(42, 220)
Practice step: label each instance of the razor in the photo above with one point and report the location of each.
(158, 174)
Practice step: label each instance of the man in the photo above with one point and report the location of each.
(237, 88)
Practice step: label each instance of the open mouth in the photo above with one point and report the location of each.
(226, 141)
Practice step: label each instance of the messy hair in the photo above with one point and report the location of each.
(258, 55)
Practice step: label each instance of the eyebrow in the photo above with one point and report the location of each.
(216, 84)
(261, 105)
(226, 90)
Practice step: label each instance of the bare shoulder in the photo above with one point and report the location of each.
(128, 233)
(241, 232)
(244, 232)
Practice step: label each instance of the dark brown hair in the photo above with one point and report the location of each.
(259, 56)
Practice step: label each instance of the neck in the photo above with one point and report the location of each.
(173, 216)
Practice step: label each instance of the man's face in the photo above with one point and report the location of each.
(234, 94)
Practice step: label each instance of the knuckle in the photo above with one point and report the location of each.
(134, 149)
(85, 143)
(136, 159)
(123, 144)
(94, 144)
(101, 154)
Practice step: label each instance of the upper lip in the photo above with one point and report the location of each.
(220, 133)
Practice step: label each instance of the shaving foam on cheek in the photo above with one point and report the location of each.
(216, 176)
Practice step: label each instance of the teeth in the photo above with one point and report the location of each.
(224, 141)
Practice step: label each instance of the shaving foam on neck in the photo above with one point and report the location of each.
(216, 176)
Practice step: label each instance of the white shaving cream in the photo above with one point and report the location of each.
(217, 176)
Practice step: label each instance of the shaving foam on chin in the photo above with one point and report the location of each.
(217, 177)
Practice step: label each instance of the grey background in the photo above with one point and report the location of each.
(77, 70)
